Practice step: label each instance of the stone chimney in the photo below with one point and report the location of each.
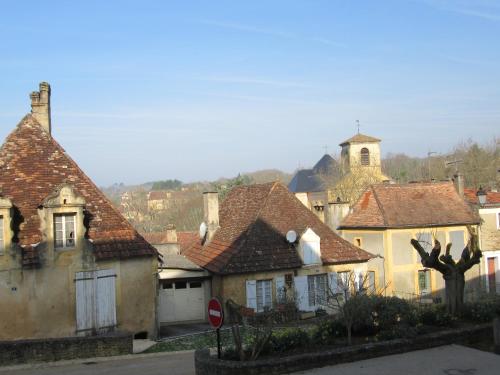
(335, 213)
(458, 181)
(211, 212)
(171, 233)
(40, 105)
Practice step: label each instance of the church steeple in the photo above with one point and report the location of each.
(361, 151)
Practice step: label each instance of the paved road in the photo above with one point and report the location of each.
(171, 364)
(443, 360)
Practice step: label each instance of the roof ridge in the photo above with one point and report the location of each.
(384, 216)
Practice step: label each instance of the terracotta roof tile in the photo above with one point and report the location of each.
(32, 165)
(410, 205)
(492, 197)
(253, 223)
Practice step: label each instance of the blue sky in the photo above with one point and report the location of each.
(196, 90)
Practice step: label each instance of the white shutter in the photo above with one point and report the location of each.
(302, 293)
(251, 287)
(280, 289)
(106, 300)
(333, 283)
(85, 301)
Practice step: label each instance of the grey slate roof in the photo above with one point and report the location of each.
(311, 180)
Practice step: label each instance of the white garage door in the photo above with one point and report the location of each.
(181, 301)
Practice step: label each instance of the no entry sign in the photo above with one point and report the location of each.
(215, 313)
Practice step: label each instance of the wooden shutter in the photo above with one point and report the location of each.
(106, 300)
(251, 287)
(302, 293)
(85, 302)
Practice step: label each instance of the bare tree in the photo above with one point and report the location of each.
(453, 272)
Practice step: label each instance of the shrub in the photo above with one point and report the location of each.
(288, 339)
(327, 331)
(436, 315)
(398, 332)
(481, 311)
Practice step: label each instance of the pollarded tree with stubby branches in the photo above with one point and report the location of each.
(453, 272)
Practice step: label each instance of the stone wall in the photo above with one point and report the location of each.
(46, 350)
(206, 364)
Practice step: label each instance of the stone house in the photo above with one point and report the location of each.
(329, 181)
(70, 264)
(158, 200)
(263, 246)
(489, 235)
(388, 216)
(184, 287)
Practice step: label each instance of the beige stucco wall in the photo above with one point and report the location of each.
(489, 232)
(41, 302)
(401, 265)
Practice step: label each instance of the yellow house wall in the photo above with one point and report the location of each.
(408, 272)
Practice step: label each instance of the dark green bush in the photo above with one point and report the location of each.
(481, 311)
(326, 332)
(289, 339)
(436, 315)
(398, 332)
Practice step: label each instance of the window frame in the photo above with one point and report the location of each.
(317, 285)
(364, 156)
(264, 294)
(64, 239)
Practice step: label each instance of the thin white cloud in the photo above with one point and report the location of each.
(253, 81)
(271, 32)
(485, 9)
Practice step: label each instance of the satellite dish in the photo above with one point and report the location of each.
(291, 236)
(203, 230)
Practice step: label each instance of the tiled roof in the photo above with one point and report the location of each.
(253, 223)
(410, 205)
(492, 197)
(360, 138)
(157, 195)
(186, 239)
(32, 165)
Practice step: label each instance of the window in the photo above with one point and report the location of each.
(264, 295)
(167, 285)
(424, 282)
(365, 156)
(180, 285)
(344, 283)
(370, 282)
(195, 284)
(64, 231)
(317, 289)
(498, 220)
(1, 236)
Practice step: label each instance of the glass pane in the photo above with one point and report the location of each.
(267, 285)
(180, 285)
(59, 243)
(58, 219)
(70, 230)
(260, 302)
(311, 289)
(195, 284)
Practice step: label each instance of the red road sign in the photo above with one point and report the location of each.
(215, 313)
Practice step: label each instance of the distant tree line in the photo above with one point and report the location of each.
(167, 185)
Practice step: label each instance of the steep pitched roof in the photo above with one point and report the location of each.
(360, 138)
(313, 180)
(492, 197)
(32, 165)
(254, 221)
(410, 205)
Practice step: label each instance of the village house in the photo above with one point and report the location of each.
(328, 181)
(387, 216)
(70, 264)
(263, 246)
(158, 200)
(487, 204)
(184, 287)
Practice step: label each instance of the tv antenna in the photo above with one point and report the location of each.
(454, 162)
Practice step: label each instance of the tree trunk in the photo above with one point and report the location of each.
(454, 287)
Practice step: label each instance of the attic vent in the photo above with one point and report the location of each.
(365, 156)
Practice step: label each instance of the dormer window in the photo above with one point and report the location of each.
(64, 231)
(365, 156)
(310, 247)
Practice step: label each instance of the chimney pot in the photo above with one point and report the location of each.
(40, 106)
